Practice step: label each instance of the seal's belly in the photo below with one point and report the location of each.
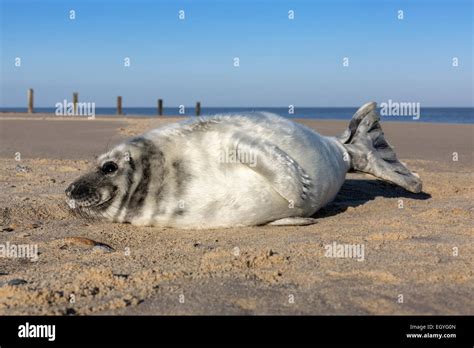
(232, 198)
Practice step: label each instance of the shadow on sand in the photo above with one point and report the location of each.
(356, 192)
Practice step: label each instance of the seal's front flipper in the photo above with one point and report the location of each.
(371, 153)
(293, 221)
(283, 173)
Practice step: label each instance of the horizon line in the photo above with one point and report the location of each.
(236, 107)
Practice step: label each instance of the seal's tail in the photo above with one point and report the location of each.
(371, 153)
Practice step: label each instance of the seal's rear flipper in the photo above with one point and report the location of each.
(371, 153)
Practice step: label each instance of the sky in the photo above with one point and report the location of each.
(281, 61)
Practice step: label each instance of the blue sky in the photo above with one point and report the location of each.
(282, 61)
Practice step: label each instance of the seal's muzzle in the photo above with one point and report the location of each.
(83, 194)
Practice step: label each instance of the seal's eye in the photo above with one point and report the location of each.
(109, 167)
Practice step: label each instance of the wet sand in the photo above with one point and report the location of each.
(418, 246)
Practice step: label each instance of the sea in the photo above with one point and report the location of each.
(459, 115)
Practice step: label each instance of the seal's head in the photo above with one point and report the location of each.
(95, 191)
(105, 190)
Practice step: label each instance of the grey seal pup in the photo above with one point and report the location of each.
(234, 170)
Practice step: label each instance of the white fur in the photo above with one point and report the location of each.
(234, 194)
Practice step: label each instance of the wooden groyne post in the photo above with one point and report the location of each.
(30, 101)
(160, 107)
(119, 105)
(198, 108)
(75, 100)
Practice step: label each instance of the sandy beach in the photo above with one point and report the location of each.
(418, 247)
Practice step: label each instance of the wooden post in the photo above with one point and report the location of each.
(198, 108)
(75, 99)
(160, 107)
(119, 105)
(30, 101)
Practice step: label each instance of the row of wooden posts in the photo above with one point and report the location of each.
(75, 100)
